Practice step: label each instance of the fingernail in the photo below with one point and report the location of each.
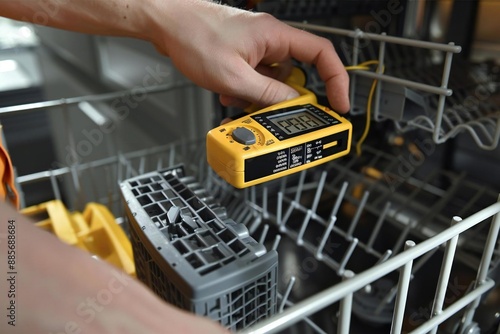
(292, 95)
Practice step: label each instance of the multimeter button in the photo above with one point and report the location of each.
(244, 136)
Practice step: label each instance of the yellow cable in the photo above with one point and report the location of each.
(368, 118)
(364, 66)
(356, 67)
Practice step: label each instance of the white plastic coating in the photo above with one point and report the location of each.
(55, 185)
(444, 275)
(484, 265)
(376, 37)
(378, 89)
(322, 244)
(319, 190)
(402, 294)
(263, 235)
(359, 211)
(336, 207)
(347, 256)
(345, 308)
(342, 289)
(265, 196)
(442, 98)
(407, 83)
(454, 308)
(276, 242)
(93, 114)
(90, 98)
(378, 225)
(303, 228)
(354, 61)
(279, 211)
(287, 294)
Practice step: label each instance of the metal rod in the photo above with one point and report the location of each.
(55, 186)
(25, 179)
(454, 308)
(403, 285)
(376, 37)
(306, 221)
(387, 254)
(347, 256)
(380, 69)
(444, 275)
(378, 226)
(300, 186)
(90, 98)
(171, 157)
(287, 293)
(359, 211)
(288, 213)
(322, 243)
(340, 290)
(142, 165)
(345, 308)
(338, 202)
(354, 60)
(265, 211)
(415, 267)
(319, 190)
(94, 115)
(407, 83)
(442, 98)
(276, 242)
(279, 212)
(263, 236)
(484, 265)
(403, 236)
(308, 321)
(423, 260)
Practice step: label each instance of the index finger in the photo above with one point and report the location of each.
(319, 51)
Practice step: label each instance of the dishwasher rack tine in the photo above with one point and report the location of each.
(343, 289)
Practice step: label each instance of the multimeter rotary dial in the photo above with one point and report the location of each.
(246, 135)
(243, 136)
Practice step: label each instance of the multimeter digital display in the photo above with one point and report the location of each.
(296, 122)
(277, 141)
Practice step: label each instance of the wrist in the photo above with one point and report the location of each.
(161, 21)
(170, 24)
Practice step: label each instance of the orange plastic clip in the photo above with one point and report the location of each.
(7, 186)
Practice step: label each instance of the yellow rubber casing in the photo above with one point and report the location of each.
(278, 140)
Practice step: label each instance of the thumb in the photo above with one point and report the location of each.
(263, 90)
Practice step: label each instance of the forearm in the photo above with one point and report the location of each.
(55, 287)
(104, 17)
(220, 48)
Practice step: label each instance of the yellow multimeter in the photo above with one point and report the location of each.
(279, 140)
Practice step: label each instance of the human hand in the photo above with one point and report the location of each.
(62, 289)
(230, 51)
(223, 49)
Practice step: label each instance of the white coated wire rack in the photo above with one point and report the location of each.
(339, 215)
(446, 116)
(313, 231)
(404, 251)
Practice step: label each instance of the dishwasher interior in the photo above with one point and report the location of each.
(400, 238)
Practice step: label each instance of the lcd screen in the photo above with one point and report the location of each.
(296, 121)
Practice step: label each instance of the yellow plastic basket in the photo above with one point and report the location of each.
(95, 230)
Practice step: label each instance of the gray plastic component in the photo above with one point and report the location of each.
(397, 102)
(192, 255)
(244, 136)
